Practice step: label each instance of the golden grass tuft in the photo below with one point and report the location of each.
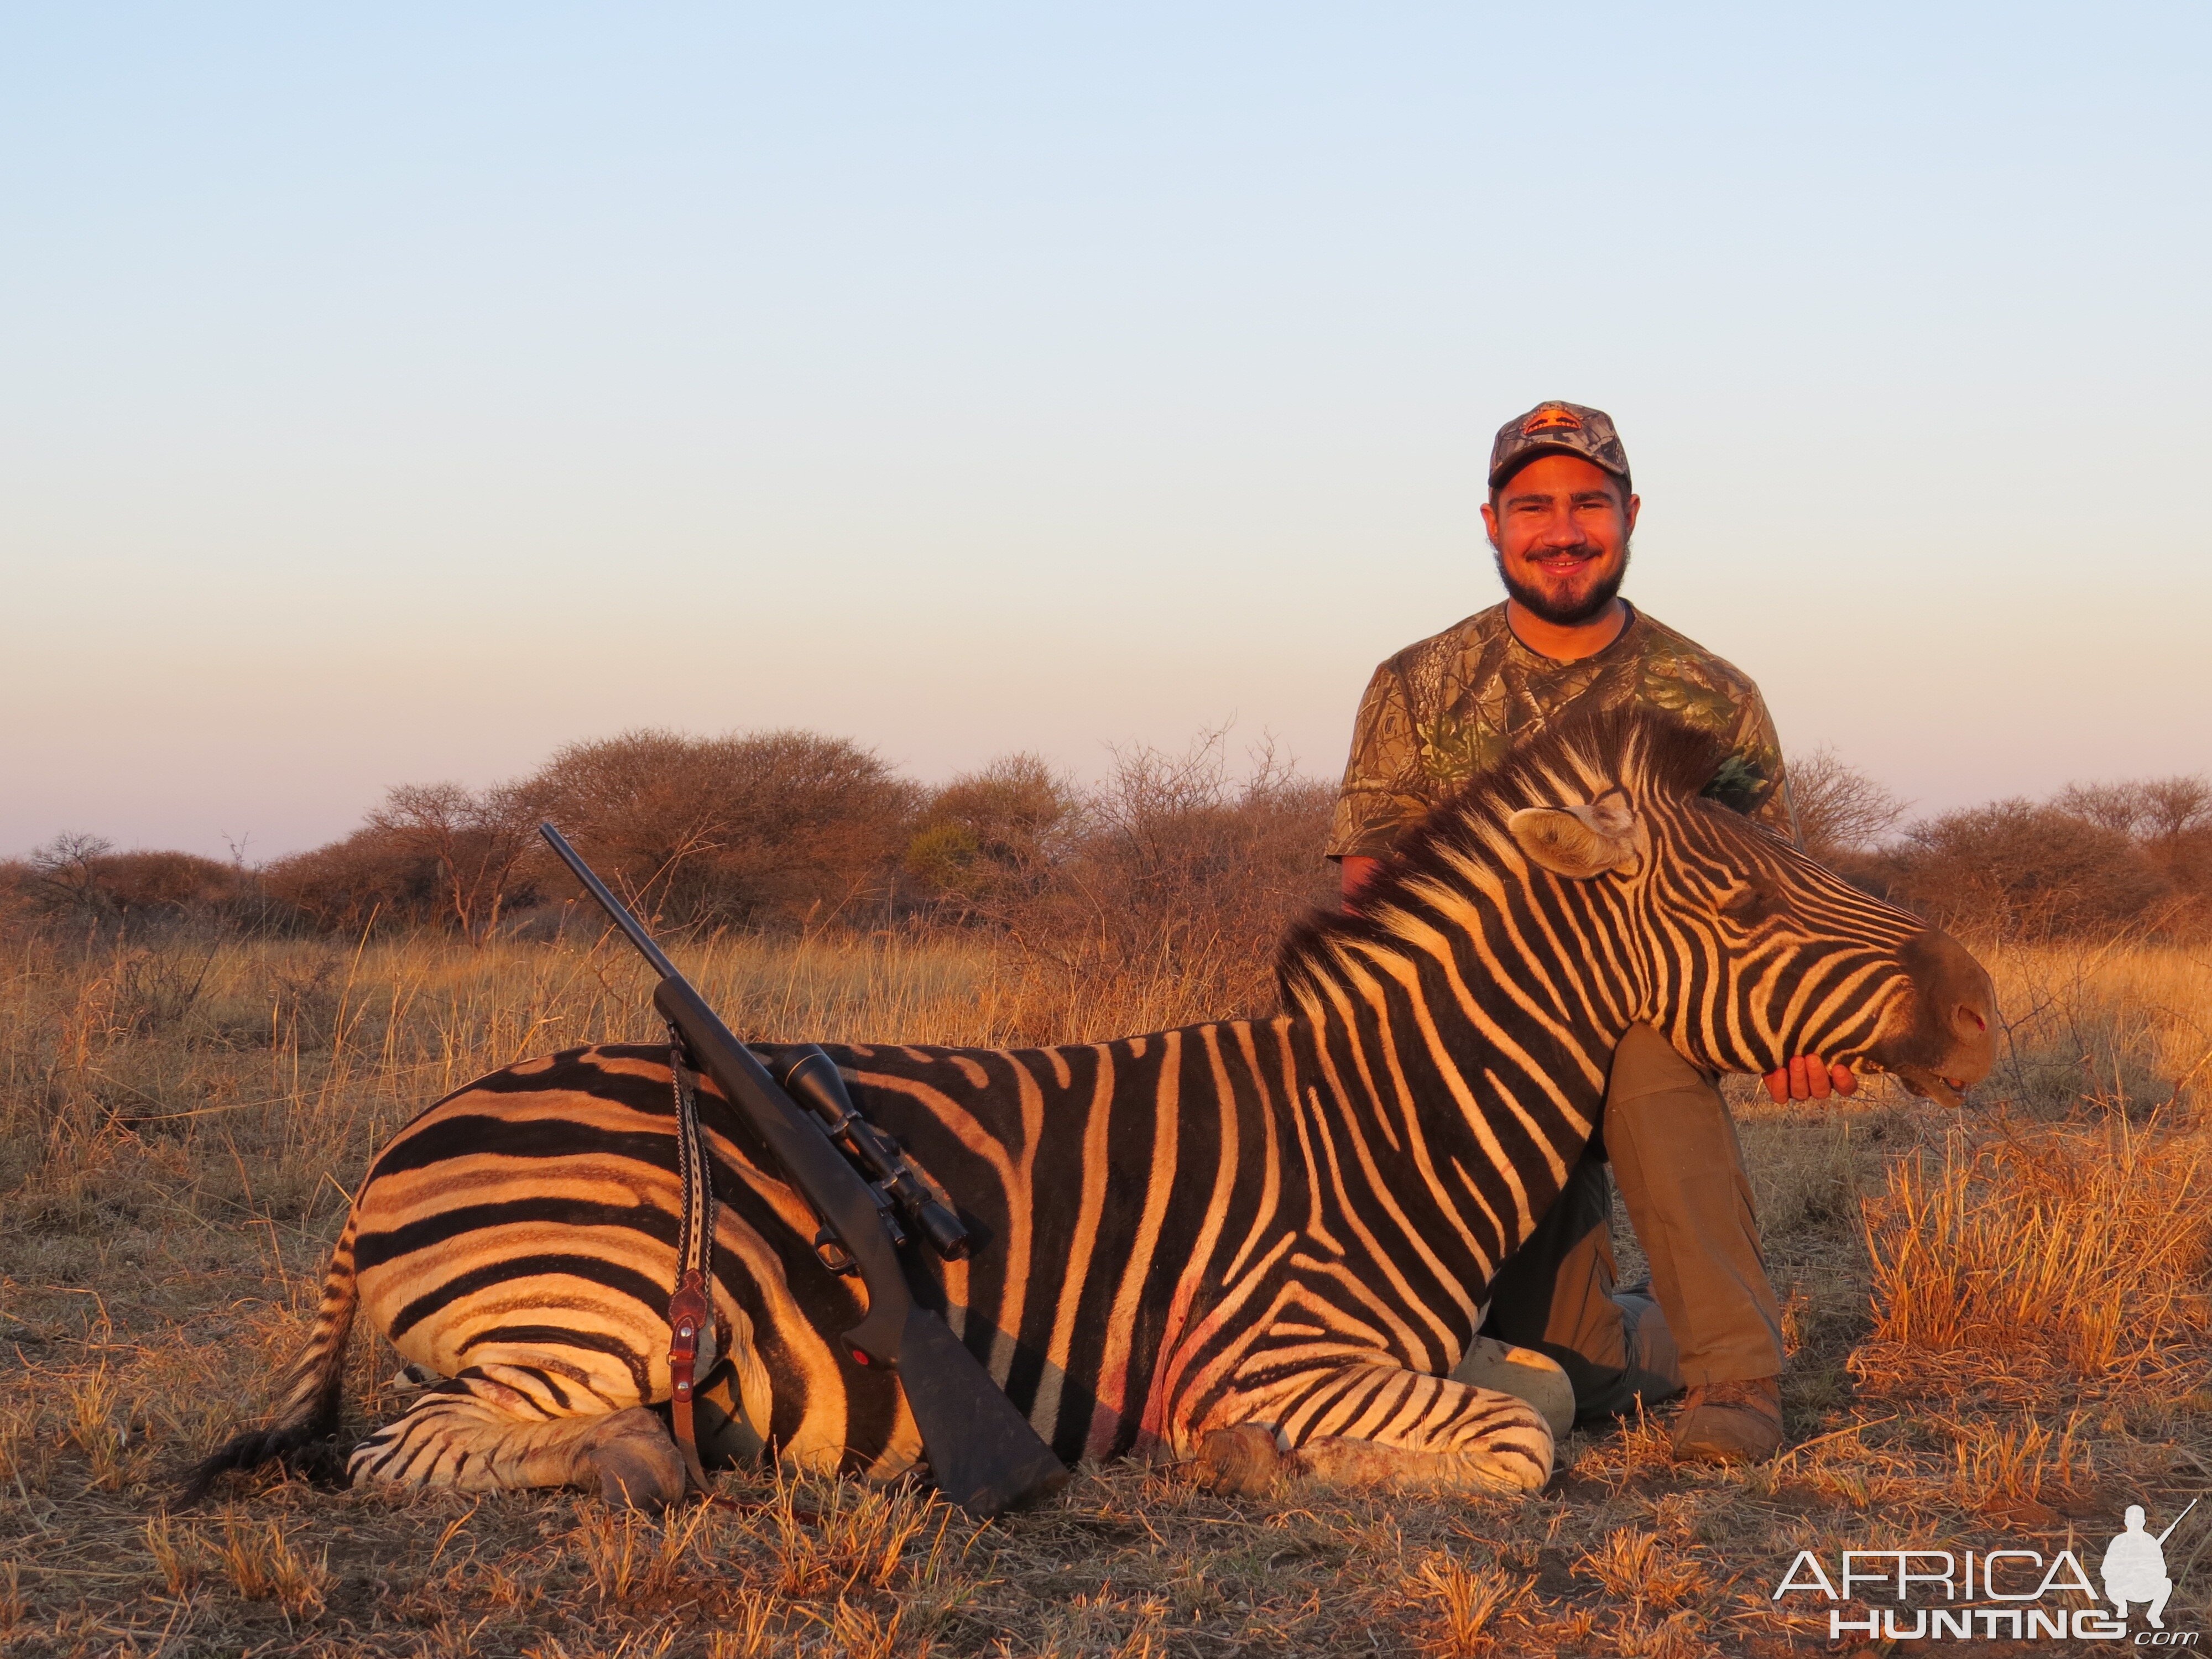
(629, 1556)
(2018, 1468)
(176, 1555)
(2033, 1246)
(262, 1563)
(1467, 1598)
(1643, 1570)
(747, 1629)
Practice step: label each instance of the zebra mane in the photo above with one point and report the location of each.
(1634, 747)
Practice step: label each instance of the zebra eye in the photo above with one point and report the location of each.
(1753, 902)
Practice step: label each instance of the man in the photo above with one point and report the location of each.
(1559, 518)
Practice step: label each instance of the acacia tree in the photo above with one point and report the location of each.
(480, 841)
(370, 874)
(1196, 873)
(65, 872)
(1839, 808)
(989, 843)
(1174, 872)
(2025, 869)
(2151, 812)
(753, 828)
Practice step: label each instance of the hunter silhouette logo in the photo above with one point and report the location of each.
(1551, 419)
(2135, 1566)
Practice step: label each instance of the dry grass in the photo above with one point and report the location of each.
(2060, 1247)
(1998, 1322)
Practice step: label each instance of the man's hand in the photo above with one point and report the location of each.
(1803, 1079)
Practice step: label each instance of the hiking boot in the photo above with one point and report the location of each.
(1730, 1422)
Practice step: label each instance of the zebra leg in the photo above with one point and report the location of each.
(1388, 1426)
(1385, 1425)
(732, 1417)
(506, 1428)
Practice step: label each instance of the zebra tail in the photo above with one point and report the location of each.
(309, 1411)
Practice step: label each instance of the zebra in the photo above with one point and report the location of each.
(1272, 1234)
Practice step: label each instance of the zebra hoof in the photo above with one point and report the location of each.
(1241, 1461)
(632, 1461)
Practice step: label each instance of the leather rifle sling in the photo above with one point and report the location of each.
(691, 1309)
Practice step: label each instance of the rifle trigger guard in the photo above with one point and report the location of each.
(834, 1255)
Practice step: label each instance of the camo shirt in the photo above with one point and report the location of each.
(1442, 710)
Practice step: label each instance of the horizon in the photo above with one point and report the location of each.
(393, 399)
(238, 850)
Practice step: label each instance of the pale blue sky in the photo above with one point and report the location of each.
(395, 396)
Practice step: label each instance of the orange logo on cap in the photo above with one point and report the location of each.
(1551, 419)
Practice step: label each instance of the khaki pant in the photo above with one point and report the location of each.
(1711, 1316)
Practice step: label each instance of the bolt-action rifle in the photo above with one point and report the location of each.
(983, 1452)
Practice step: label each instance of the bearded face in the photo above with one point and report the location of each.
(1561, 530)
(1566, 593)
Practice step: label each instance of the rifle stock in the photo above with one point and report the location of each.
(983, 1454)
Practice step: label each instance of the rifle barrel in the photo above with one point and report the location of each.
(616, 911)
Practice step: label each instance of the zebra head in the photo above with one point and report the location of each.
(1628, 892)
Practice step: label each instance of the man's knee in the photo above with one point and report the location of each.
(1665, 1121)
(1646, 1066)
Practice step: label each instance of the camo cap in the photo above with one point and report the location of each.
(1557, 428)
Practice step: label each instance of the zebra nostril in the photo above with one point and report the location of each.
(1967, 1015)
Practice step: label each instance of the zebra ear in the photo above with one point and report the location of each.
(1583, 842)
